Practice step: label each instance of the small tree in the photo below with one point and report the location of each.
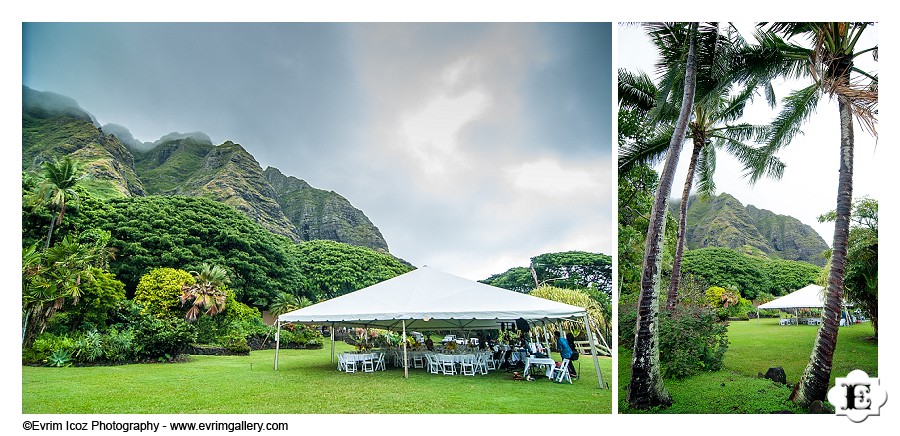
(207, 293)
(51, 278)
(57, 188)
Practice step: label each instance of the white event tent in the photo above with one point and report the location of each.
(427, 299)
(811, 296)
(808, 297)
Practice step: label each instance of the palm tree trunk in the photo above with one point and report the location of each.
(675, 280)
(646, 387)
(814, 382)
(50, 233)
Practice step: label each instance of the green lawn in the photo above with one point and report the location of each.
(754, 346)
(306, 382)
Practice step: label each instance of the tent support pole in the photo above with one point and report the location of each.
(332, 342)
(405, 360)
(277, 341)
(590, 338)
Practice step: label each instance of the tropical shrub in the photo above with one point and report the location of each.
(118, 346)
(692, 338)
(159, 292)
(162, 339)
(99, 298)
(728, 303)
(89, 346)
(60, 358)
(235, 318)
(46, 345)
(300, 336)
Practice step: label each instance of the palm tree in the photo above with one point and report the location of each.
(285, 302)
(829, 62)
(207, 293)
(646, 388)
(51, 277)
(60, 179)
(710, 129)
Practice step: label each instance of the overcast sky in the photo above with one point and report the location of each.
(472, 147)
(809, 185)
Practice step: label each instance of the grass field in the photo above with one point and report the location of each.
(755, 346)
(306, 382)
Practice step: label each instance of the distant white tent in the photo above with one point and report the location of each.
(811, 296)
(808, 297)
(427, 299)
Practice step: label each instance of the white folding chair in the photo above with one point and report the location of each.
(467, 364)
(448, 367)
(342, 364)
(349, 363)
(481, 363)
(490, 362)
(379, 362)
(434, 366)
(368, 363)
(418, 361)
(561, 372)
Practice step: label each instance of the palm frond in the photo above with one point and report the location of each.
(706, 169)
(798, 106)
(648, 152)
(636, 90)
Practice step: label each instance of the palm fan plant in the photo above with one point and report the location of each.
(207, 294)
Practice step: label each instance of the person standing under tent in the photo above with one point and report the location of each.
(565, 351)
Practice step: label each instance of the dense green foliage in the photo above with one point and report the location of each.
(183, 232)
(750, 275)
(99, 299)
(636, 189)
(570, 270)
(331, 269)
(575, 270)
(728, 303)
(52, 278)
(786, 276)
(517, 279)
(861, 275)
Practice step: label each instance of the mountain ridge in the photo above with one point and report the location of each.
(723, 221)
(189, 165)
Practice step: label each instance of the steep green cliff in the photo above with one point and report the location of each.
(722, 221)
(320, 214)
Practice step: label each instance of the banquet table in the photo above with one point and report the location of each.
(544, 361)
